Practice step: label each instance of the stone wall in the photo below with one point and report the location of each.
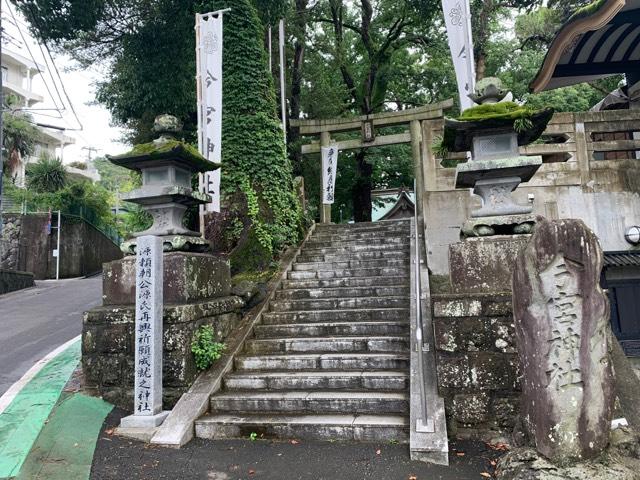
(446, 210)
(11, 280)
(477, 362)
(10, 241)
(108, 346)
(26, 246)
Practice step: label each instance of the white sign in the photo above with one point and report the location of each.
(55, 252)
(329, 170)
(148, 354)
(457, 17)
(209, 83)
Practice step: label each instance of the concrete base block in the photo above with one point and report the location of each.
(142, 434)
(143, 421)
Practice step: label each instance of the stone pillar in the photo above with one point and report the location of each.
(325, 210)
(430, 165)
(416, 154)
(561, 317)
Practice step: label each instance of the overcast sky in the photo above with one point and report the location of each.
(97, 131)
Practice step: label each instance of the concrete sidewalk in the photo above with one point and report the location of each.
(118, 458)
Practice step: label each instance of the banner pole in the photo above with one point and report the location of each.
(283, 89)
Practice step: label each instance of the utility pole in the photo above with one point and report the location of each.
(90, 150)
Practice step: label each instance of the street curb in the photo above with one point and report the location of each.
(15, 389)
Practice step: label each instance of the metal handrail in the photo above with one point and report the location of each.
(422, 424)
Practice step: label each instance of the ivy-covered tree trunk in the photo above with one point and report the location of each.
(254, 160)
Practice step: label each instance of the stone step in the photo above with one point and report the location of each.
(332, 329)
(366, 235)
(363, 226)
(348, 427)
(349, 272)
(310, 402)
(312, 293)
(348, 249)
(313, 243)
(345, 315)
(327, 344)
(324, 361)
(364, 255)
(339, 303)
(328, 379)
(375, 263)
(402, 280)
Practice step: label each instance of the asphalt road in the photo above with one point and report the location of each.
(35, 321)
(116, 458)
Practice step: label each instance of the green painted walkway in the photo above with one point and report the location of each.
(64, 450)
(23, 419)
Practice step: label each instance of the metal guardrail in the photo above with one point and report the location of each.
(423, 423)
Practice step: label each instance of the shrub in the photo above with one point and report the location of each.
(204, 348)
(47, 175)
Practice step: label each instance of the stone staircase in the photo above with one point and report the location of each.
(330, 358)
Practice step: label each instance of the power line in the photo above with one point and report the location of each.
(55, 67)
(34, 60)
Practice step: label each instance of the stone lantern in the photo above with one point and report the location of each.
(493, 131)
(492, 236)
(167, 167)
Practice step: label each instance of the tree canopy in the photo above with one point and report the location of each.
(344, 58)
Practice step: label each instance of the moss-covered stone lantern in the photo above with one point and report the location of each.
(493, 131)
(167, 166)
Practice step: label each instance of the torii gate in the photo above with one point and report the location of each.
(417, 118)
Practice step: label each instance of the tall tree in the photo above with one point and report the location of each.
(366, 38)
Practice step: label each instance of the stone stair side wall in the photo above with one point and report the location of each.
(196, 292)
(477, 363)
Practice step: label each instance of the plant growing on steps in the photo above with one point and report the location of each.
(204, 348)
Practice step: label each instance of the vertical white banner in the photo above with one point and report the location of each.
(329, 170)
(209, 80)
(457, 17)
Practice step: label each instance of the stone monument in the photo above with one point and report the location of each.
(147, 394)
(492, 131)
(194, 286)
(561, 317)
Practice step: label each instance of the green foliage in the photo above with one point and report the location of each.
(78, 165)
(439, 148)
(19, 137)
(47, 175)
(204, 347)
(522, 124)
(253, 436)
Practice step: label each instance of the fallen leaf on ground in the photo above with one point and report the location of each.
(460, 454)
(500, 447)
(485, 475)
(493, 463)
(378, 452)
(109, 431)
(413, 477)
(251, 472)
(294, 442)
